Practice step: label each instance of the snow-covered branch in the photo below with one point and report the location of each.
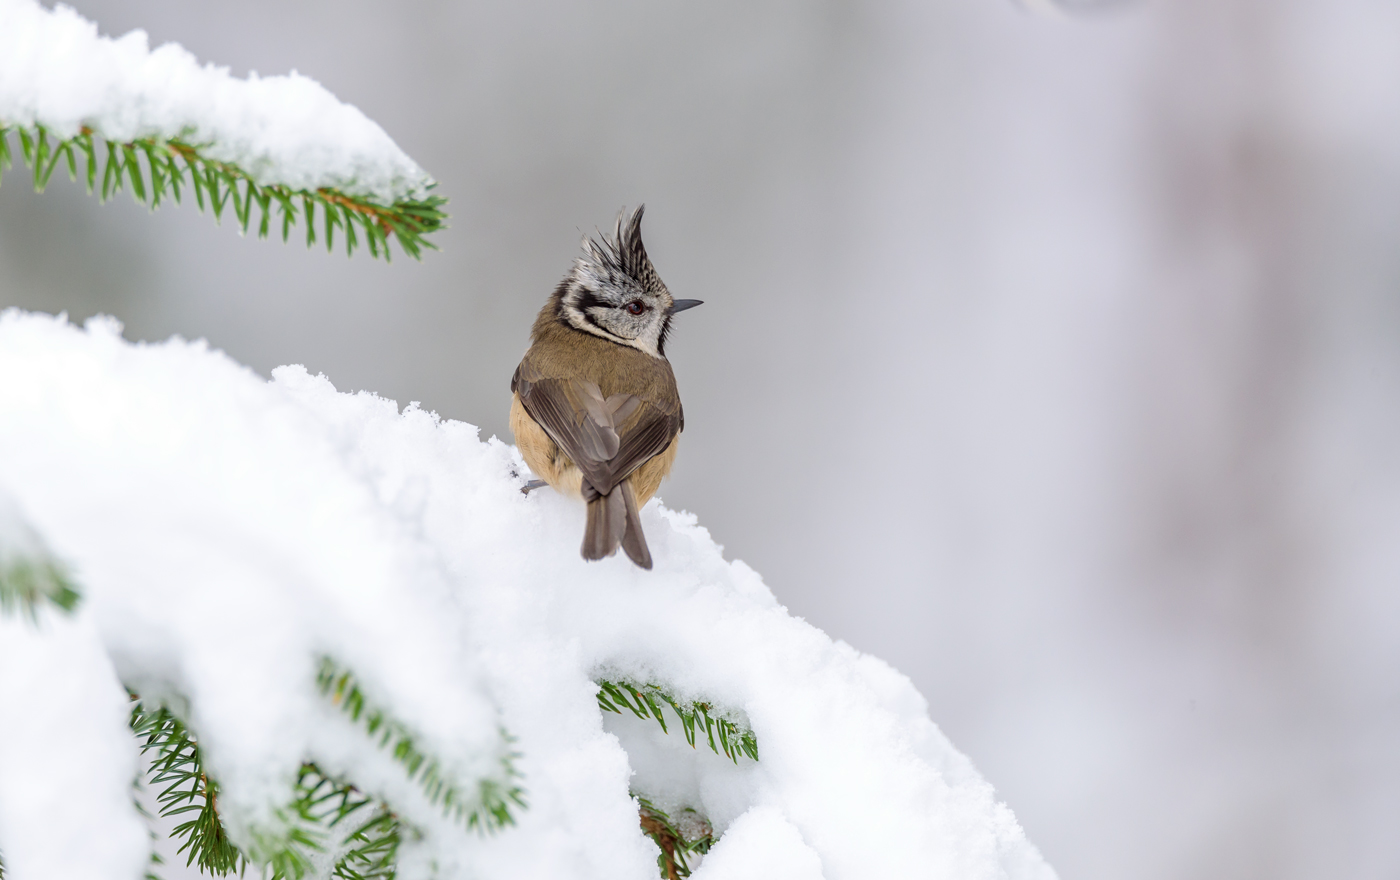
(120, 115)
(227, 533)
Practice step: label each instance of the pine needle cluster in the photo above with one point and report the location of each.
(154, 168)
(177, 769)
(490, 806)
(326, 818)
(646, 701)
(328, 821)
(331, 818)
(688, 833)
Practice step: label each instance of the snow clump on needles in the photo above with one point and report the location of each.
(57, 71)
(226, 531)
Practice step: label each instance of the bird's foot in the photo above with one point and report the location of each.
(533, 484)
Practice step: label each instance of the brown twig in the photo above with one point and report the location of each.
(661, 833)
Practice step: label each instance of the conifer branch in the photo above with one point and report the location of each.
(154, 167)
(321, 808)
(490, 807)
(645, 701)
(178, 766)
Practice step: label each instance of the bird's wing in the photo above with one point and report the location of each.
(607, 438)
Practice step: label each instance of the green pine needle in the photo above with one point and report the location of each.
(488, 809)
(324, 809)
(645, 701)
(178, 766)
(153, 167)
(365, 832)
(370, 850)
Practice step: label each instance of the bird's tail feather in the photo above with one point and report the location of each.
(633, 541)
(607, 519)
(613, 519)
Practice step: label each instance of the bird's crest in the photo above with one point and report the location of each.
(619, 260)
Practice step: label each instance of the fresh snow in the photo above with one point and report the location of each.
(66, 757)
(56, 70)
(226, 531)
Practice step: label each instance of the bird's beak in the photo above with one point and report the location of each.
(681, 305)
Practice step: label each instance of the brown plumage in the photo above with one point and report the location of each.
(595, 410)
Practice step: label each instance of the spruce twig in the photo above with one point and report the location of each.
(178, 766)
(321, 808)
(645, 701)
(153, 168)
(488, 809)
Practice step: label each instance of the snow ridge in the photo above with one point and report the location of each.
(57, 71)
(226, 531)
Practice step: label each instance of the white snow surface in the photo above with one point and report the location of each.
(55, 69)
(226, 530)
(66, 758)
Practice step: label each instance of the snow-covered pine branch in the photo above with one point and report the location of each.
(277, 151)
(228, 532)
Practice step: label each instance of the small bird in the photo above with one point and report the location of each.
(594, 405)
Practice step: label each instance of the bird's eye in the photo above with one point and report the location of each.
(635, 307)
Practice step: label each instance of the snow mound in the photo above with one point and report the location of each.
(227, 531)
(66, 758)
(57, 71)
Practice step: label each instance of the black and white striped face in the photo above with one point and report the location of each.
(624, 314)
(615, 293)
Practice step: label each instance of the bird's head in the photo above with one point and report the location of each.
(614, 292)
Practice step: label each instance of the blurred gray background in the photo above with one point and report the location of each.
(1051, 358)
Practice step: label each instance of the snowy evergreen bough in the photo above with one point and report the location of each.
(185, 786)
(276, 152)
(327, 822)
(488, 808)
(645, 701)
(330, 637)
(228, 534)
(172, 167)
